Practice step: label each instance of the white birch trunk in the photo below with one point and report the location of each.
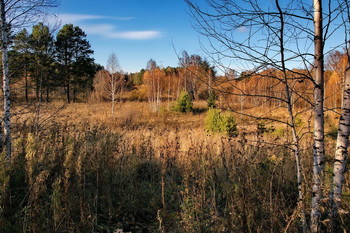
(113, 97)
(342, 143)
(169, 92)
(6, 81)
(158, 93)
(319, 151)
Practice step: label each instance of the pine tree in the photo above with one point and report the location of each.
(73, 54)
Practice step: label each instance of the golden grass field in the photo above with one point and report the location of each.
(76, 168)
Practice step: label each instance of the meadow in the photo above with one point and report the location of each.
(75, 168)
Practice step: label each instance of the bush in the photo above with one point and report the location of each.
(211, 101)
(215, 121)
(138, 94)
(183, 103)
(263, 128)
(229, 126)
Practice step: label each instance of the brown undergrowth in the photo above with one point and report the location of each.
(85, 171)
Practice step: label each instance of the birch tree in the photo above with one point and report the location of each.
(342, 143)
(153, 79)
(114, 80)
(319, 150)
(15, 15)
(257, 36)
(223, 21)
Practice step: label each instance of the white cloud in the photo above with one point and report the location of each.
(98, 29)
(137, 35)
(107, 30)
(110, 31)
(76, 18)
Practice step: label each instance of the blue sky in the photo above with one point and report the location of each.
(139, 30)
(135, 30)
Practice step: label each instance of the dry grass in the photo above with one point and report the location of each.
(93, 179)
(84, 171)
(129, 115)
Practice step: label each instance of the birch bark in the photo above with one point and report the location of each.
(342, 143)
(319, 150)
(5, 80)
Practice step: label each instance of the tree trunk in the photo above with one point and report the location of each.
(113, 101)
(68, 92)
(296, 146)
(36, 89)
(6, 81)
(169, 92)
(26, 85)
(319, 151)
(158, 93)
(47, 94)
(342, 143)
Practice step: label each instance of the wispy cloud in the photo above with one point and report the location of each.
(137, 35)
(98, 29)
(107, 30)
(110, 31)
(76, 18)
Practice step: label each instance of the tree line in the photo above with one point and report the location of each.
(155, 84)
(241, 90)
(265, 87)
(42, 63)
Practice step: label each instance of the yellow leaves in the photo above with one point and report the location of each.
(146, 77)
(334, 79)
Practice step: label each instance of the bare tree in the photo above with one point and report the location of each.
(255, 36)
(15, 14)
(154, 79)
(342, 143)
(114, 81)
(257, 53)
(319, 150)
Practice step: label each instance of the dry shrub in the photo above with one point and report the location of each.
(139, 94)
